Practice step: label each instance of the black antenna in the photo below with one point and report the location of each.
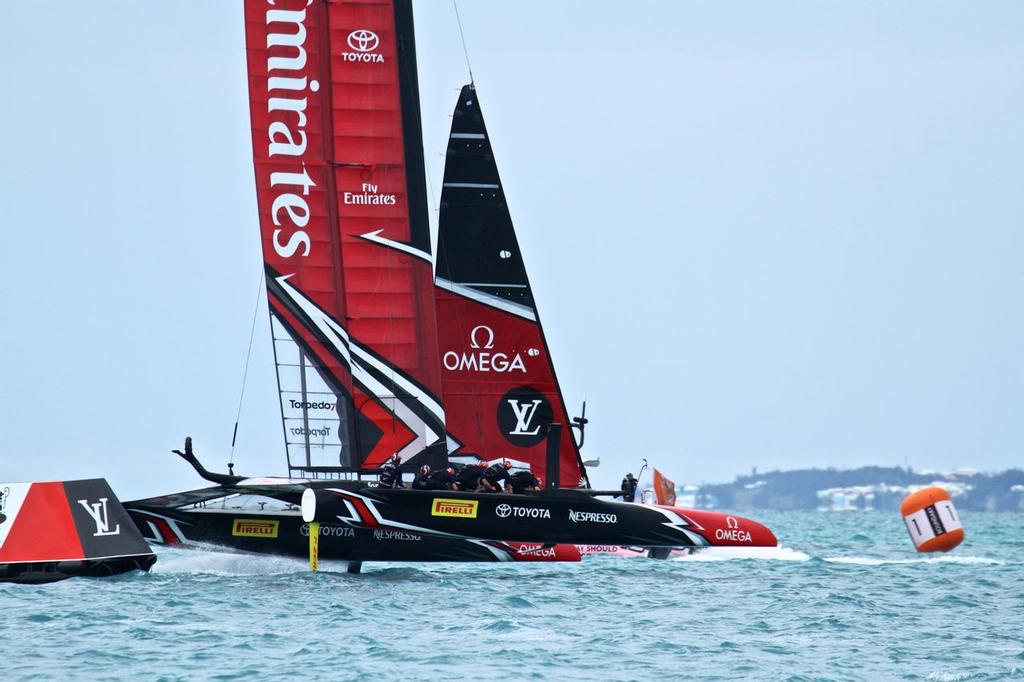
(580, 424)
(552, 458)
(641, 470)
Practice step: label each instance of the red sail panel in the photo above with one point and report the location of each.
(372, 201)
(386, 262)
(287, 74)
(499, 387)
(498, 380)
(338, 155)
(288, 67)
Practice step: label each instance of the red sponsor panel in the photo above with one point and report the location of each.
(44, 529)
(722, 529)
(524, 551)
(388, 290)
(499, 386)
(288, 84)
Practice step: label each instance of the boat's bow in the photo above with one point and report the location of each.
(727, 530)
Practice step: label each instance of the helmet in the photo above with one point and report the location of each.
(396, 459)
(506, 463)
(425, 469)
(450, 471)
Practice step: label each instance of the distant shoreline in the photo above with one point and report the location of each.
(863, 488)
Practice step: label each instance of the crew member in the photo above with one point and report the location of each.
(628, 488)
(469, 478)
(494, 475)
(521, 481)
(442, 479)
(390, 475)
(420, 482)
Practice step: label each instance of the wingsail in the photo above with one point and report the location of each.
(338, 155)
(498, 381)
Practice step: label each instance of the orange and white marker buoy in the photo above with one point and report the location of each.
(932, 521)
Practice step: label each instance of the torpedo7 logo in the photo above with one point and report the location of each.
(523, 416)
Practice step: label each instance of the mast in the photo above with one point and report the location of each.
(338, 155)
(498, 380)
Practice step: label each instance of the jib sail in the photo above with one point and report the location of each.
(338, 155)
(498, 381)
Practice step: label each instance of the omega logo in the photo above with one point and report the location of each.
(474, 342)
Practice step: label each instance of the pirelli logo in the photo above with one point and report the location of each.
(460, 509)
(254, 528)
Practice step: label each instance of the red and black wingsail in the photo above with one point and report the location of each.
(338, 154)
(498, 382)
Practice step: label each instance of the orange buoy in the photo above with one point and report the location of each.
(932, 522)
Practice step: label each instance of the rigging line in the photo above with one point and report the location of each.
(462, 35)
(245, 372)
(433, 214)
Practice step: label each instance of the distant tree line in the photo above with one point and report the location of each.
(798, 489)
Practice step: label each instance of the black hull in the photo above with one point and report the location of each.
(549, 517)
(359, 523)
(35, 573)
(286, 534)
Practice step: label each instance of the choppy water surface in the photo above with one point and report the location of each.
(845, 597)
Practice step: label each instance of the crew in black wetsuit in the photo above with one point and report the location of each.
(390, 475)
(521, 481)
(440, 479)
(470, 475)
(443, 479)
(494, 475)
(628, 488)
(420, 482)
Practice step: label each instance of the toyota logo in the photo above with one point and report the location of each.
(503, 510)
(362, 40)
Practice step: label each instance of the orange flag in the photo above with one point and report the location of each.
(664, 489)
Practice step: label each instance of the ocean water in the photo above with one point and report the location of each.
(844, 597)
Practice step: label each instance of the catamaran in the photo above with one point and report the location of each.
(380, 348)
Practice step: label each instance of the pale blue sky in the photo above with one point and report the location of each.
(761, 234)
